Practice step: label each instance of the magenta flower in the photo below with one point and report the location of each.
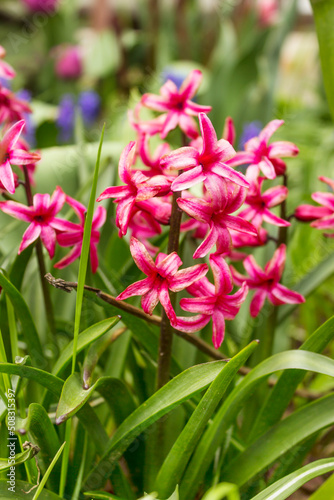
(201, 165)
(10, 155)
(74, 236)
(323, 216)
(260, 203)
(41, 5)
(143, 226)
(6, 71)
(266, 282)
(69, 62)
(162, 276)
(177, 104)
(226, 199)
(11, 108)
(212, 301)
(263, 156)
(137, 188)
(42, 218)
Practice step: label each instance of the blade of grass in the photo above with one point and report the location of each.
(48, 472)
(78, 305)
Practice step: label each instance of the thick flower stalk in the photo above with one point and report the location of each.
(265, 282)
(41, 217)
(265, 157)
(200, 165)
(258, 204)
(137, 188)
(320, 217)
(212, 301)
(74, 236)
(227, 197)
(177, 106)
(11, 155)
(162, 276)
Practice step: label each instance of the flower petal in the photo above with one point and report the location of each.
(180, 159)
(7, 177)
(168, 266)
(48, 237)
(191, 84)
(193, 324)
(166, 303)
(199, 304)
(229, 173)
(287, 296)
(186, 277)
(206, 245)
(138, 288)
(141, 257)
(197, 208)
(257, 302)
(69, 258)
(30, 235)
(218, 328)
(221, 274)
(126, 161)
(283, 149)
(188, 179)
(209, 135)
(269, 130)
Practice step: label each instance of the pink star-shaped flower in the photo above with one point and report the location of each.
(212, 301)
(162, 276)
(74, 236)
(42, 218)
(6, 71)
(137, 188)
(178, 105)
(201, 165)
(266, 282)
(260, 155)
(10, 155)
(323, 216)
(260, 203)
(226, 197)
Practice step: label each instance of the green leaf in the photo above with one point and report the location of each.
(52, 383)
(179, 389)
(216, 433)
(74, 395)
(28, 326)
(279, 439)
(283, 488)
(20, 458)
(281, 394)
(173, 467)
(48, 472)
(85, 249)
(42, 433)
(323, 11)
(85, 338)
(222, 490)
(93, 355)
(20, 489)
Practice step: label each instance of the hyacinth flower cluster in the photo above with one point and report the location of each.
(42, 210)
(227, 217)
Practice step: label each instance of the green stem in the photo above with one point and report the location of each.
(41, 263)
(166, 330)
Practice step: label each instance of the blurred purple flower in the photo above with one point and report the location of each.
(89, 103)
(29, 131)
(66, 118)
(250, 130)
(175, 76)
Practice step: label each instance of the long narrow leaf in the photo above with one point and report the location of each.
(177, 459)
(215, 434)
(283, 488)
(279, 439)
(179, 389)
